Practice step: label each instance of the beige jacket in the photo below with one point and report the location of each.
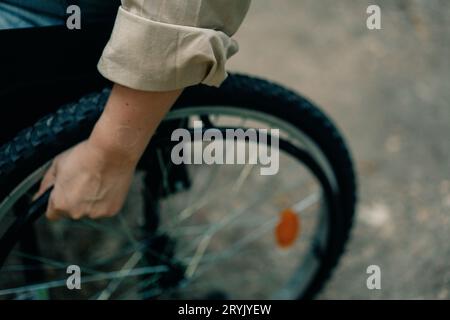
(162, 45)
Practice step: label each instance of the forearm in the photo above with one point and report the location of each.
(129, 120)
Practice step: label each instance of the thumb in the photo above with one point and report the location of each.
(47, 181)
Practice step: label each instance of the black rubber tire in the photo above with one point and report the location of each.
(35, 146)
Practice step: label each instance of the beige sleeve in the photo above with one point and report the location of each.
(162, 45)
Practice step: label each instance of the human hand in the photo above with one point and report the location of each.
(88, 182)
(93, 178)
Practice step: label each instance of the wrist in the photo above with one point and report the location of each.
(128, 121)
(113, 146)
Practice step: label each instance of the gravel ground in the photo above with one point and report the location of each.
(388, 91)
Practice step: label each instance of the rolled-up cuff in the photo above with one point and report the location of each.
(152, 56)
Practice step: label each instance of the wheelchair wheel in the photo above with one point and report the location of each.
(189, 231)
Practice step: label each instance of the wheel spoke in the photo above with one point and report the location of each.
(255, 234)
(244, 174)
(93, 278)
(127, 268)
(129, 265)
(51, 262)
(265, 195)
(205, 199)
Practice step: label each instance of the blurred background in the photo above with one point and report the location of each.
(388, 91)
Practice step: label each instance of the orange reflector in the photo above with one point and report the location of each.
(288, 228)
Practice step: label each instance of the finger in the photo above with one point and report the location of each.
(52, 213)
(47, 181)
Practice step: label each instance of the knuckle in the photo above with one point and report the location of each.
(115, 208)
(102, 213)
(105, 214)
(94, 215)
(58, 206)
(76, 214)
